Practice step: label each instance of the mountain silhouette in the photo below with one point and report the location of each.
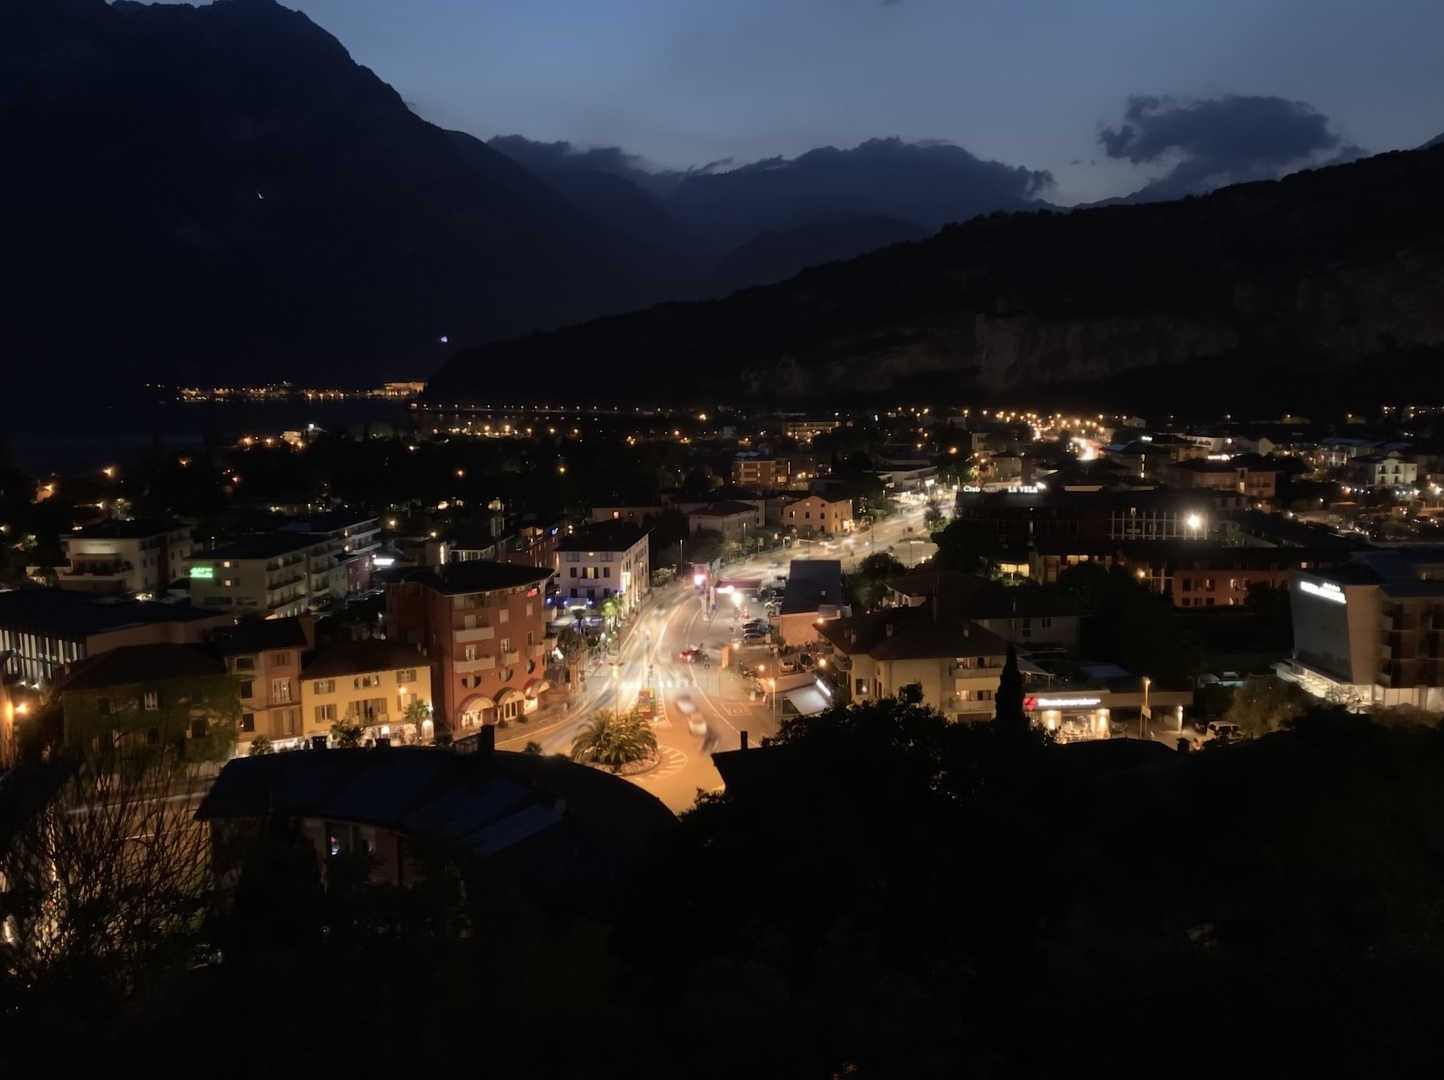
(777, 256)
(221, 195)
(1319, 272)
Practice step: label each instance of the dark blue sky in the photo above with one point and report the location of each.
(1026, 82)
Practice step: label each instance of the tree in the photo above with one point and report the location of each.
(1010, 714)
(417, 713)
(347, 733)
(965, 545)
(705, 546)
(260, 746)
(933, 516)
(107, 880)
(869, 580)
(1267, 703)
(614, 739)
(610, 608)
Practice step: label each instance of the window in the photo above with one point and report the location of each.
(406, 675)
(504, 615)
(280, 689)
(528, 609)
(469, 652)
(511, 710)
(280, 659)
(471, 682)
(860, 687)
(505, 644)
(573, 572)
(325, 686)
(574, 592)
(200, 728)
(326, 714)
(247, 686)
(151, 701)
(245, 663)
(606, 571)
(1046, 623)
(248, 722)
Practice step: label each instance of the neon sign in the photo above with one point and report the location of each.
(203, 572)
(1327, 591)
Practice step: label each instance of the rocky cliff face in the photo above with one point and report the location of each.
(1317, 271)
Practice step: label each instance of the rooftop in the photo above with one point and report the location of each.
(358, 657)
(478, 575)
(132, 664)
(63, 613)
(254, 634)
(260, 546)
(127, 530)
(976, 597)
(812, 584)
(605, 536)
(913, 633)
(545, 818)
(725, 508)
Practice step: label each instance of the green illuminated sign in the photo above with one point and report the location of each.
(206, 572)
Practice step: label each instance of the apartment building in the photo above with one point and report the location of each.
(1371, 632)
(1256, 482)
(952, 662)
(43, 630)
(371, 683)
(260, 575)
(738, 522)
(483, 625)
(1381, 471)
(134, 704)
(264, 656)
(137, 559)
(1029, 618)
(825, 516)
(753, 470)
(611, 559)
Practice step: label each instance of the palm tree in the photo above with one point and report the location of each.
(610, 609)
(614, 739)
(416, 714)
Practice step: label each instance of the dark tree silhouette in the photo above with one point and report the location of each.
(1010, 711)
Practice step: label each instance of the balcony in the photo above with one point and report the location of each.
(481, 663)
(475, 633)
(536, 652)
(512, 657)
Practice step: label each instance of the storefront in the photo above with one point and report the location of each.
(1071, 715)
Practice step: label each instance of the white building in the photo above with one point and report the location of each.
(125, 558)
(1381, 471)
(608, 559)
(1372, 631)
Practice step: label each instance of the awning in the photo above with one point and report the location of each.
(534, 687)
(808, 700)
(1027, 667)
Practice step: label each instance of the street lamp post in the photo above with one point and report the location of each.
(1144, 715)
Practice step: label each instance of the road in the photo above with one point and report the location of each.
(675, 618)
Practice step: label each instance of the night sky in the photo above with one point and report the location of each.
(1243, 88)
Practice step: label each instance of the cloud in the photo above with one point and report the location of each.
(1219, 141)
(541, 157)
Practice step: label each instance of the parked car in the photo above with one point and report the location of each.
(752, 637)
(1223, 731)
(787, 664)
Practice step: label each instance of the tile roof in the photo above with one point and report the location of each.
(978, 598)
(260, 546)
(360, 657)
(73, 615)
(478, 575)
(917, 633)
(604, 536)
(133, 664)
(252, 635)
(126, 530)
(812, 584)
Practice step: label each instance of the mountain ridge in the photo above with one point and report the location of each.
(1313, 271)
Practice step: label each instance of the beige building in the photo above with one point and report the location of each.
(954, 663)
(371, 683)
(818, 514)
(738, 522)
(1031, 618)
(137, 559)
